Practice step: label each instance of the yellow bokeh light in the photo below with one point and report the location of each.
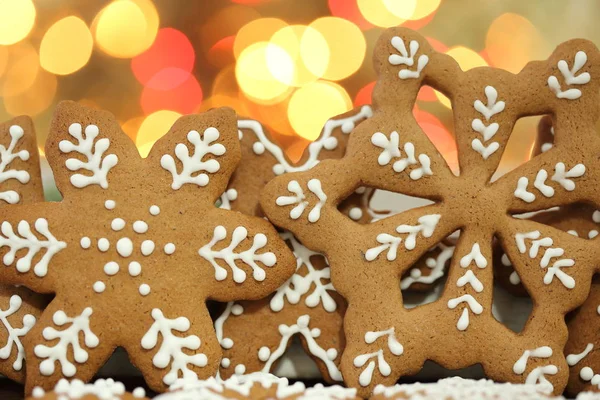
(126, 28)
(512, 41)
(22, 69)
(16, 20)
(255, 78)
(155, 126)
(307, 49)
(312, 105)
(413, 9)
(66, 47)
(259, 30)
(378, 12)
(466, 59)
(347, 46)
(37, 98)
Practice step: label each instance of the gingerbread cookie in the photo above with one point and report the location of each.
(463, 389)
(255, 334)
(255, 386)
(102, 389)
(20, 182)
(135, 248)
(384, 341)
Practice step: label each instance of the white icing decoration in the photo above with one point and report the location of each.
(7, 156)
(67, 337)
(549, 254)
(154, 210)
(298, 285)
(570, 77)
(547, 146)
(230, 255)
(169, 248)
(470, 278)
(300, 327)
(471, 304)
(192, 164)
(117, 224)
(436, 264)
(325, 141)
(404, 58)
(521, 364)
(227, 197)
(144, 289)
(103, 389)
(426, 226)
(25, 239)
(140, 227)
(474, 255)
(593, 233)
(14, 334)
(147, 247)
(124, 247)
(85, 242)
(355, 213)
(110, 204)
(139, 393)
(135, 268)
(99, 287)
(172, 346)
(561, 176)
(97, 163)
(391, 150)
(492, 108)
(573, 359)
(314, 185)
(384, 368)
(596, 216)
(103, 245)
(231, 308)
(111, 268)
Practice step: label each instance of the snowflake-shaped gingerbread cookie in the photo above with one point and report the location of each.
(307, 305)
(135, 248)
(385, 341)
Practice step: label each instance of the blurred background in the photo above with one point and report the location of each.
(287, 63)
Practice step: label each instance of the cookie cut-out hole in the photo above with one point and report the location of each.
(295, 363)
(433, 371)
(530, 137)
(118, 365)
(426, 293)
(433, 113)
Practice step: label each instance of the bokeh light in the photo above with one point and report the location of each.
(349, 10)
(254, 75)
(21, 70)
(184, 98)
(171, 49)
(16, 20)
(347, 46)
(126, 28)
(364, 95)
(512, 41)
(154, 126)
(66, 47)
(305, 47)
(379, 12)
(37, 98)
(419, 10)
(260, 30)
(312, 105)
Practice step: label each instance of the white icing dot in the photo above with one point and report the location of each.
(264, 353)
(99, 287)
(147, 247)
(139, 393)
(240, 369)
(169, 248)
(85, 242)
(225, 362)
(258, 148)
(315, 332)
(347, 126)
(232, 194)
(586, 373)
(430, 262)
(140, 227)
(237, 309)
(103, 245)
(125, 247)
(38, 392)
(355, 213)
(110, 204)
(415, 273)
(154, 210)
(144, 289)
(278, 169)
(135, 268)
(111, 268)
(332, 354)
(117, 224)
(598, 310)
(330, 143)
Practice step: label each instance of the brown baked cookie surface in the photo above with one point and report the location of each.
(389, 151)
(254, 335)
(102, 389)
(20, 183)
(135, 248)
(254, 386)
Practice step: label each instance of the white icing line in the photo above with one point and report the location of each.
(406, 58)
(14, 334)
(377, 358)
(300, 202)
(570, 77)
(7, 156)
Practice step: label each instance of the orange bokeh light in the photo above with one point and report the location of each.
(184, 98)
(348, 9)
